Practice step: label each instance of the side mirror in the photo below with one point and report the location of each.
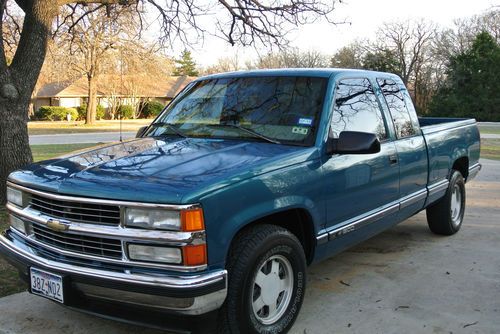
(141, 131)
(353, 142)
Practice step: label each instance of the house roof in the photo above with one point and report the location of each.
(109, 85)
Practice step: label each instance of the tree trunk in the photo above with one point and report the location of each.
(15, 151)
(17, 82)
(92, 100)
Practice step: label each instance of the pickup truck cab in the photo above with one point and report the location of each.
(219, 205)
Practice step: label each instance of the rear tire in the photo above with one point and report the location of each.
(267, 277)
(445, 217)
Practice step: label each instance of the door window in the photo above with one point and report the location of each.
(357, 109)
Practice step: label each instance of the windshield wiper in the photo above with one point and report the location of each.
(255, 134)
(171, 127)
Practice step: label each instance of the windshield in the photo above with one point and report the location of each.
(275, 109)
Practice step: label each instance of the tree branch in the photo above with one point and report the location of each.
(103, 2)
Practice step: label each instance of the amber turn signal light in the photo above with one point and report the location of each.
(192, 220)
(194, 255)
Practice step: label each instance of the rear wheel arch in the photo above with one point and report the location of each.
(462, 165)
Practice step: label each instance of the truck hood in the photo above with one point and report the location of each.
(166, 170)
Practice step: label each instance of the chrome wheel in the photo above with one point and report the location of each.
(272, 289)
(456, 205)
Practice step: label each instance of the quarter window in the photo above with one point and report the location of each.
(356, 109)
(399, 112)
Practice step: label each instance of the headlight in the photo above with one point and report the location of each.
(162, 219)
(154, 254)
(17, 223)
(15, 196)
(153, 218)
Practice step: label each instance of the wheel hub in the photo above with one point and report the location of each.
(272, 289)
(456, 205)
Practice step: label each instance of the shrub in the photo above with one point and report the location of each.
(126, 111)
(55, 113)
(152, 109)
(100, 112)
(82, 112)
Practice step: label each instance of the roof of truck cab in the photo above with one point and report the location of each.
(311, 72)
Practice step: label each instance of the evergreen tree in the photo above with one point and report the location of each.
(186, 65)
(472, 86)
(381, 60)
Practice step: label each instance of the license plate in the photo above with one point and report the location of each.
(47, 285)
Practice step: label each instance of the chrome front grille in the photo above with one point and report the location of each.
(77, 212)
(83, 244)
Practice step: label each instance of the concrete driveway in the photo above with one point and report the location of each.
(405, 280)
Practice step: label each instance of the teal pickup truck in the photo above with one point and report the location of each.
(216, 208)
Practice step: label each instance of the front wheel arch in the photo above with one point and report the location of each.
(248, 254)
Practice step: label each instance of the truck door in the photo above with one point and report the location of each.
(410, 146)
(361, 189)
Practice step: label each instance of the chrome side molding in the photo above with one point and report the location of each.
(363, 220)
(473, 170)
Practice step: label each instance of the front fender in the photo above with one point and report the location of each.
(229, 210)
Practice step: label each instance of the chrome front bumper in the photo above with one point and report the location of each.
(192, 294)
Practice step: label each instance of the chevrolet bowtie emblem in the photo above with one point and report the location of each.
(57, 226)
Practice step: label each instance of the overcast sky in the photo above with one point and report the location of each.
(364, 17)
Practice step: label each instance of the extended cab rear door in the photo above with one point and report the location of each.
(410, 145)
(362, 190)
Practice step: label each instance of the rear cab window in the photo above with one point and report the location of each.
(399, 104)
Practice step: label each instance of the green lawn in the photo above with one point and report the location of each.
(47, 128)
(489, 129)
(490, 149)
(44, 152)
(9, 279)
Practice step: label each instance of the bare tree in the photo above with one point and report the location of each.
(90, 41)
(11, 29)
(291, 58)
(225, 64)
(244, 22)
(410, 43)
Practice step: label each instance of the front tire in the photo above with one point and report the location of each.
(445, 217)
(267, 277)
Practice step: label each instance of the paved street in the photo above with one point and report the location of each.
(405, 280)
(490, 136)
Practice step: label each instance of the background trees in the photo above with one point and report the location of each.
(421, 53)
(472, 85)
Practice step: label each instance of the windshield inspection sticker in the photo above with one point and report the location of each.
(300, 130)
(305, 121)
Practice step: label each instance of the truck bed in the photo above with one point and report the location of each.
(450, 140)
(434, 124)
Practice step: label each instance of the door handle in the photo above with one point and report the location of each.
(393, 159)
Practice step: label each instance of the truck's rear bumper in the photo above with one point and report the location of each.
(186, 295)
